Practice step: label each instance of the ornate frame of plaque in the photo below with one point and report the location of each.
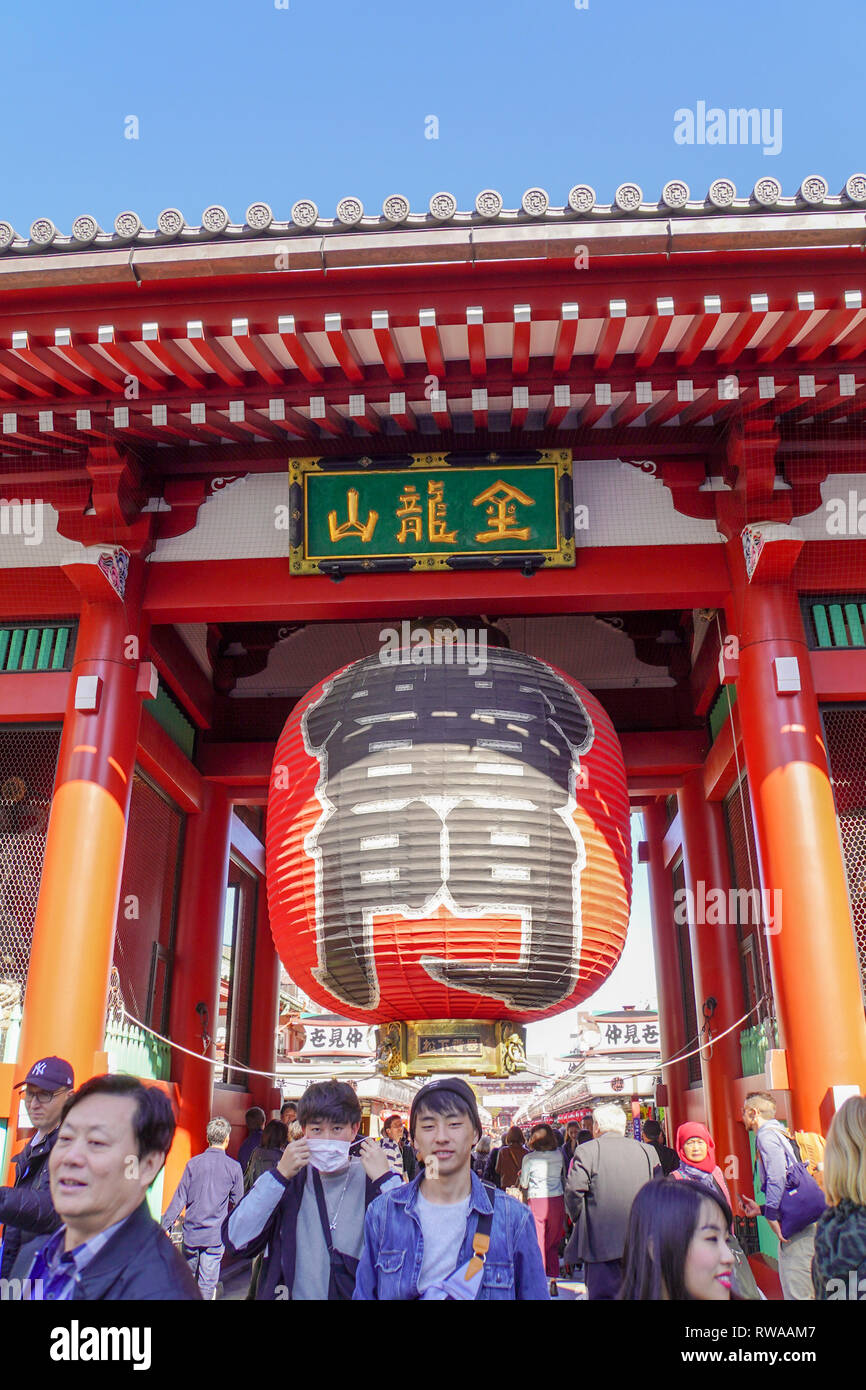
(431, 512)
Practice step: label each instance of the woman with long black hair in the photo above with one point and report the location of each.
(676, 1248)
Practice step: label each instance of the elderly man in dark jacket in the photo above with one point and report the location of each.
(26, 1208)
(113, 1139)
(605, 1177)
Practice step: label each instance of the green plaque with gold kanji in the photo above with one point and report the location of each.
(434, 512)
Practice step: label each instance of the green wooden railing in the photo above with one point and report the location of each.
(839, 624)
(47, 647)
(172, 719)
(754, 1045)
(130, 1049)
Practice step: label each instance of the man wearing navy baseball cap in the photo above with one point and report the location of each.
(26, 1208)
(446, 1234)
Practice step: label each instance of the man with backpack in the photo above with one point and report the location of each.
(793, 1201)
(447, 1235)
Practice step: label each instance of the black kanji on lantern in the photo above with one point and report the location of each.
(443, 788)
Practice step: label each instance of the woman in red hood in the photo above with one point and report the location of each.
(697, 1154)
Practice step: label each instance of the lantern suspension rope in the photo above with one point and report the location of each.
(215, 1061)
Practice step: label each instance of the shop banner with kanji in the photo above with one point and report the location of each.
(426, 515)
(336, 1037)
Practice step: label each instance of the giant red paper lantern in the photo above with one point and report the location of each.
(449, 842)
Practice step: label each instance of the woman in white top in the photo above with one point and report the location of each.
(541, 1177)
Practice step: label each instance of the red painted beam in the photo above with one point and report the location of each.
(342, 349)
(387, 346)
(784, 330)
(257, 354)
(431, 343)
(182, 674)
(37, 593)
(171, 357)
(845, 560)
(131, 362)
(606, 579)
(243, 764)
(519, 407)
(475, 335)
(696, 337)
(48, 365)
(522, 339)
(741, 331)
(27, 696)
(162, 760)
(839, 675)
(301, 353)
(560, 405)
(247, 845)
(662, 752)
(832, 326)
(611, 333)
(214, 355)
(88, 362)
(654, 334)
(566, 336)
(401, 413)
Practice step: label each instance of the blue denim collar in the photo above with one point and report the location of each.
(407, 1194)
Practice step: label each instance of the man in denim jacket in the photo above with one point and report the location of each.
(420, 1239)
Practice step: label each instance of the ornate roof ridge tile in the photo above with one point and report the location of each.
(675, 201)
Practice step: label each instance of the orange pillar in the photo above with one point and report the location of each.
(73, 934)
(717, 973)
(815, 970)
(672, 1027)
(266, 1007)
(196, 973)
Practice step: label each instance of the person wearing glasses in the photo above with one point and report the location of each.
(26, 1208)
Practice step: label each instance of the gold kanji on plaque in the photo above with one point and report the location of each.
(437, 512)
(409, 514)
(502, 513)
(354, 526)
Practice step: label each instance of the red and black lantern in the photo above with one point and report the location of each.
(448, 840)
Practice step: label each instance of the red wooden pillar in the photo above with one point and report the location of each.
(73, 934)
(716, 970)
(672, 1028)
(196, 973)
(815, 970)
(266, 1006)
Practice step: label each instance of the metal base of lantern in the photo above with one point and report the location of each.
(472, 1047)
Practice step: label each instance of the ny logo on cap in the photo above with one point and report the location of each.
(39, 1069)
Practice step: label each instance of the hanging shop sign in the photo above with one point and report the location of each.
(330, 1036)
(623, 1034)
(431, 511)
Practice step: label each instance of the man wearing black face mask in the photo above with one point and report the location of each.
(309, 1210)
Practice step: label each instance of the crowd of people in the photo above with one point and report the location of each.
(433, 1210)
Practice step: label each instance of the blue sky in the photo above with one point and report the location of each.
(238, 101)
